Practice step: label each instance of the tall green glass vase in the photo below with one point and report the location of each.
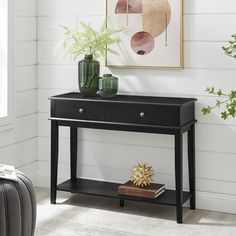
(88, 72)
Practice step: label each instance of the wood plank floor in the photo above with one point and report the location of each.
(82, 215)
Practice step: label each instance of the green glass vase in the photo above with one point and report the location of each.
(108, 85)
(88, 73)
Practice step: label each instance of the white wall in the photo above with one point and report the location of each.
(18, 145)
(110, 155)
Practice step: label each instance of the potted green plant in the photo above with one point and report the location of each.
(93, 44)
(226, 99)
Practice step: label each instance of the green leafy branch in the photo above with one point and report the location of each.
(228, 100)
(230, 50)
(86, 40)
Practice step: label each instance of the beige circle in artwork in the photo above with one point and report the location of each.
(142, 43)
(156, 16)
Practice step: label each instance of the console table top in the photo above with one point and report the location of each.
(174, 101)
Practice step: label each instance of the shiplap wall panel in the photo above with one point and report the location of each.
(50, 52)
(184, 82)
(197, 27)
(30, 170)
(212, 141)
(74, 7)
(101, 155)
(49, 27)
(25, 8)
(44, 128)
(25, 102)
(209, 6)
(49, 76)
(187, 81)
(25, 53)
(25, 128)
(149, 140)
(43, 103)
(18, 145)
(202, 55)
(204, 27)
(20, 154)
(208, 25)
(25, 79)
(206, 55)
(91, 7)
(25, 29)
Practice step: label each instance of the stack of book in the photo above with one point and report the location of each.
(151, 191)
(7, 172)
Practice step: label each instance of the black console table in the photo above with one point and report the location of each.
(161, 115)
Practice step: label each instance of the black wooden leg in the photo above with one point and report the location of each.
(54, 160)
(191, 166)
(73, 153)
(179, 176)
(122, 203)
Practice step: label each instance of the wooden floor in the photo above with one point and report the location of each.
(82, 215)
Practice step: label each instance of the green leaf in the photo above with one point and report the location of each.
(219, 92)
(206, 110)
(224, 115)
(212, 90)
(232, 94)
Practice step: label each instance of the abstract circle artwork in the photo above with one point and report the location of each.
(152, 29)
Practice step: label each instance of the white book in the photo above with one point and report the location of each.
(7, 172)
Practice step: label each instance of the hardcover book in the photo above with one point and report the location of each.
(152, 191)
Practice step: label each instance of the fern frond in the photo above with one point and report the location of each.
(87, 40)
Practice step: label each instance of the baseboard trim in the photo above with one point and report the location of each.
(216, 202)
(205, 200)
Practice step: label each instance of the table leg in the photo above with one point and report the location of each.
(54, 160)
(179, 176)
(73, 153)
(191, 166)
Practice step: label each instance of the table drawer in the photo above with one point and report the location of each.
(146, 114)
(95, 109)
(82, 110)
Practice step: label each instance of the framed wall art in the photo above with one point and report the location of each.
(152, 33)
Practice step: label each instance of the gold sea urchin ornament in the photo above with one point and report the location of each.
(142, 175)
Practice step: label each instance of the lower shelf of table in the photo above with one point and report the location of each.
(108, 189)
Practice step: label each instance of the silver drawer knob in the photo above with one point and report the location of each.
(81, 110)
(142, 114)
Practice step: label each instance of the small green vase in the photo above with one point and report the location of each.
(88, 73)
(108, 86)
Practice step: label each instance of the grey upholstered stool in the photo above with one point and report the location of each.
(17, 207)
